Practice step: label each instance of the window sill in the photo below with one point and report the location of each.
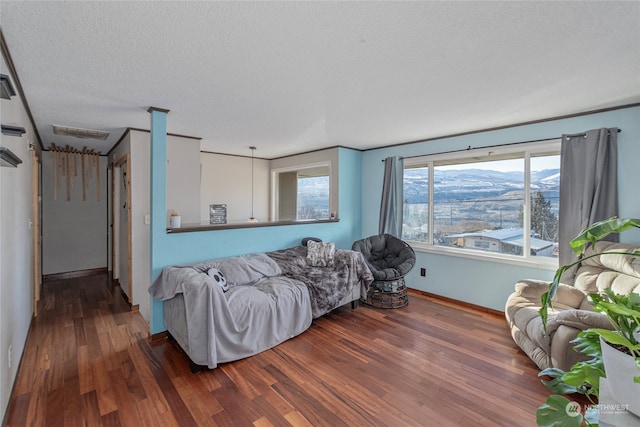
(541, 263)
(189, 228)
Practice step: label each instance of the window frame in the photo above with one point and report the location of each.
(275, 192)
(524, 150)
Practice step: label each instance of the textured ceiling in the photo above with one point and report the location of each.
(288, 77)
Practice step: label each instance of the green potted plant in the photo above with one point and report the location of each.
(583, 378)
(620, 347)
(623, 313)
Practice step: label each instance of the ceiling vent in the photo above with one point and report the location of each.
(80, 133)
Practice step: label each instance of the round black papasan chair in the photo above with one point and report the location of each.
(389, 259)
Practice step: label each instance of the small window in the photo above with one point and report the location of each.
(313, 195)
(303, 194)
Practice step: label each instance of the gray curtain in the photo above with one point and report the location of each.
(588, 184)
(391, 205)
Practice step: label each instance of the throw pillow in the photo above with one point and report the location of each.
(320, 254)
(308, 239)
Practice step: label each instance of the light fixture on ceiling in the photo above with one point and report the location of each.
(252, 218)
(79, 132)
(7, 158)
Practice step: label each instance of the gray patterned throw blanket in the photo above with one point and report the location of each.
(327, 285)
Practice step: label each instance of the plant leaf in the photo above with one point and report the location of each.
(612, 337)
(592, 415)
(585, 373)
(601, 229)
(544, 310)
(551, 372)
(558, 386)
(588, 342)
(547, 297)
(553, 413)
(634, 300)
(618, 308)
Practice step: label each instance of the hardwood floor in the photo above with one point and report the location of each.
(88, 361)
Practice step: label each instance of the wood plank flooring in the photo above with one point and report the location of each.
(89, 362)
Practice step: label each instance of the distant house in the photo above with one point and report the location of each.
(506, 241)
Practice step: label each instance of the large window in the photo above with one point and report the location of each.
(500, 200)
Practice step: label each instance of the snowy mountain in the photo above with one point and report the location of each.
(477, 185)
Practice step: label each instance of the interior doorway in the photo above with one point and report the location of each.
(121, 235)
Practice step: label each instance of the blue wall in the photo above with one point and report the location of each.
(475, 281)
(183, 248)
(489, 283)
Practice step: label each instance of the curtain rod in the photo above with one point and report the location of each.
(570, 135)
(469, 148)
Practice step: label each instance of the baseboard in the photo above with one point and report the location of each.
(74, 274)
(160, 336)
(456, 302)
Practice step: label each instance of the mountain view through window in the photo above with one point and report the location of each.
(313, 197)
(479, 205)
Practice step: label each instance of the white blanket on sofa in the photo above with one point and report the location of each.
(260, 310)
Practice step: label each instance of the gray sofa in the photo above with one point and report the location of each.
(572, 312)
(271, 297)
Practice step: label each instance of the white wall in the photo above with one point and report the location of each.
(140, 232)
(74, 233)
(183, 195)
(226, 179)
(183, 178)
(16, 271)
